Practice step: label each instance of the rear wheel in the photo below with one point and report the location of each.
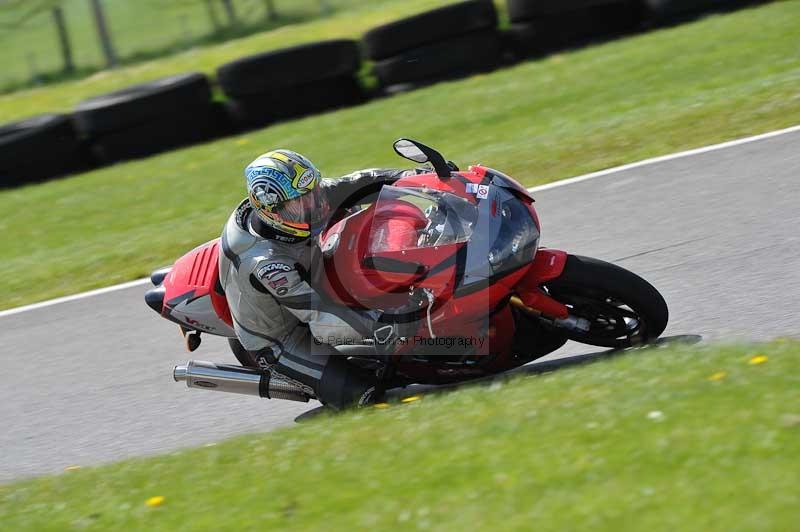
(242, 355)
(622, 309)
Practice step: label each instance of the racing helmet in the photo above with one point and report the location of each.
(284, 190)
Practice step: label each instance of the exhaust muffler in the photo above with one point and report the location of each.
(238, 379)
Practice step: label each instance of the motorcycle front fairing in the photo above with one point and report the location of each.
(408, 237)
(416, 235)
(498, 254)
(465, 251)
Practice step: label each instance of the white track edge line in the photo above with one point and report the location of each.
(560, 183)
(663, 158)
(74, 297)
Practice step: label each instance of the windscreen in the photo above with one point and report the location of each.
(407, 218)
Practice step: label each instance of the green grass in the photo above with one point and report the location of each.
(684, 87)
(642, 441)
(352, 20)
(141, 30)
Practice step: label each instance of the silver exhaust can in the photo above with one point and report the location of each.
(238, 379)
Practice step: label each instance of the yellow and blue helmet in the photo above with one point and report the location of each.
(284, 190)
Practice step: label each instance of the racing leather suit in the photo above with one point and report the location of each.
(278, 317)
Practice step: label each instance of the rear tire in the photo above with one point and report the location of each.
(624, 310)
(242, 355)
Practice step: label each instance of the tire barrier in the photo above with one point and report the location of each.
(254, 111)
(452, 58)
(445, 43)
(148, 118)
(292, 82)
(544, 26)
(174, 130)
(659, 11)
(428, 27)
(522, 10)
(39, 148)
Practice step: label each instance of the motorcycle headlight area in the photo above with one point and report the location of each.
(517, 237)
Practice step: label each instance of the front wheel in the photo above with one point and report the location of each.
(622, 309)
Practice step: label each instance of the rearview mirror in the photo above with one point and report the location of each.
(409, 150)
(420, 153)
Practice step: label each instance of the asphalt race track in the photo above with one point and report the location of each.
(89, 381)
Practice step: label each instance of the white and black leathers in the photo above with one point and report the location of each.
(277, 315)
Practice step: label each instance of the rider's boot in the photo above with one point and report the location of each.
(344, 385)
(323, 369)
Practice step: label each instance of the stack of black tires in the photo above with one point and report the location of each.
(149, 118)
(444, 43)
(542, 26)
(39, 148)
(292, 82)
(668, 11)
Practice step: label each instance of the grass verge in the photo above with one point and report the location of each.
(677, 438)
(674, 89)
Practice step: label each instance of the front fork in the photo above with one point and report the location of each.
(548, 264)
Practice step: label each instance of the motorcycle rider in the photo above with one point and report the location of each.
(270, 249)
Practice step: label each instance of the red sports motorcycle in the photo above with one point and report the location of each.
(451, 260)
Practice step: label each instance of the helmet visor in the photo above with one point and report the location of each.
(306, 211)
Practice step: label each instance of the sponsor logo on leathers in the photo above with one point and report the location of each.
(264, 271)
